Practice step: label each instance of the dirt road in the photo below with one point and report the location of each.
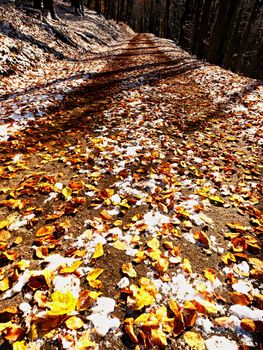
(139, 187)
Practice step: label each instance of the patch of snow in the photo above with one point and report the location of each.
(245, 312)
(241, 287)
(70, 282)
(220, 343)
(100, 316)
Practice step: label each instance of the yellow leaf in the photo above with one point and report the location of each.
(258, 299)
(146, 319)
(105, 215)
(4, 223)
(74, 322)
(95, 284)
(168, 245)
(155, 254)
(84, 342)
(18, 240)
(62, 303)
(153, 243)
(187, 266)
(94, 274)
(228, 258)
(216, 199)
(92, 278)
(120, 245)
(67, 192)
(33, 332)
(161, 265)
(142, 298)
(140, 257)
(194, 340)
(4, 284)
(98, 251)
(70, 269)
(237, 227)
(210, 274)
(19, 345)
(159, 337)
(117, 223)
(257, 263)
(45, 231)
(49, 276)
(209, 307)
(129, 270)
(5, 325)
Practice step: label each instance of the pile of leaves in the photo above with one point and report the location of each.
(130, 212)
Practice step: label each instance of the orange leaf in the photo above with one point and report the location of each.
(202, 238)
(128, 326)
(248, 325)
(4, 235)
(105, 215)
(45, 231)
(240, 298)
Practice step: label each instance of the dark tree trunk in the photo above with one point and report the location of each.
(239, 59)
(49, 7)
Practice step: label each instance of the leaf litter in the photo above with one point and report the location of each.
(130, 215)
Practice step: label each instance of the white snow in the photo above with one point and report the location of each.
(64, 283)
(123, 283)
(100, 316)
(242, 311)
(241, 287)
(155, 220)
(57, 260)
(220, 343)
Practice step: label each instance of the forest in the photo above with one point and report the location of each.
(225, 32)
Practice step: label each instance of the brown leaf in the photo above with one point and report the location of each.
(240, 298)
(202, 238)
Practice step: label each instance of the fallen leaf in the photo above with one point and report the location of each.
(248, 325)
(74, 322)
(62, 303)
(210, 274)
(45, 231)
(202, 238)
(70, 269)
(98, 251)
(194, 340)
(129, 270)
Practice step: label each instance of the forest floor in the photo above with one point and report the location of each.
(131, 203)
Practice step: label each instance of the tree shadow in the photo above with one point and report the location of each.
(82, 108)
(221, 108)
(14, 33)
(32, 89)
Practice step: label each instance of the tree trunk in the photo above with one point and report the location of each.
(49, 7)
